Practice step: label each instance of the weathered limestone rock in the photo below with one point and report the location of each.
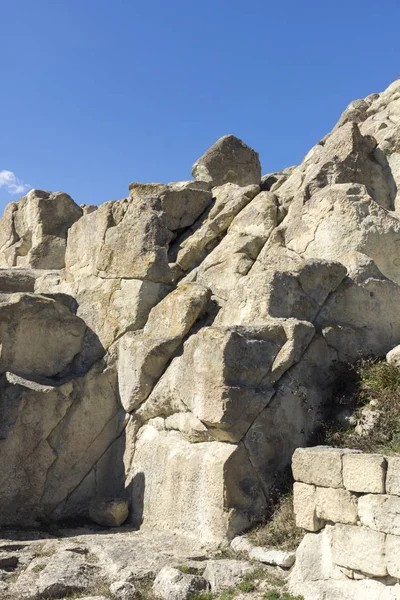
(393, 357)
(230, 199)
(165, 463)
(281, 285)
(277, 558)
(313, 559)
(226, 573)
(143, 357)
(122, 239)
(295, 410)
(33, 231)
(235, 254)
(364, 473)
(110, 513)
(359, 548)
(392, 552)
(336, 505)
(225, 376)
(53, 436)
(61, 575)
(320, 466)
(30, 321)
(393, 475)
(228, 160)
(338, 221)
(109, 307)
(123, 590)
(184, 201)
(172, 584)
(380, 512)
(304, 505)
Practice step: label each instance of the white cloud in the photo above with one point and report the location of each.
(11, 183)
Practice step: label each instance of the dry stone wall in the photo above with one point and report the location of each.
(350, 501)
(173, 348)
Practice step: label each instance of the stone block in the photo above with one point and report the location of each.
(304, 507)
(336, 505)
(320, 465)
(364, 473)
(359, 548)
(392, 551)
(380, 512)
(393, 475)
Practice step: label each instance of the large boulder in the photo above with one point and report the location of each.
(38, 336)
(143, 356)
(33, 231)
(122, 239)
(207, 490)
(228, 160)
(51, 438)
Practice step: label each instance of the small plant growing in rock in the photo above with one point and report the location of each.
(275, 595)
(246, 586)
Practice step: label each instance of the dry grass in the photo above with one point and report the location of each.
(280, 531)
(368, 380)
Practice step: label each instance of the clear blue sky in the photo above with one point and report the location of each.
(97, 93)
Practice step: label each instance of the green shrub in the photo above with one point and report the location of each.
(359, 384)
(281, 530)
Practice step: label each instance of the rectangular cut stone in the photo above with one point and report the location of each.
(392, 550)
(304, 507)
(336, 505)
(393, 475)
(320, 466)
(364, 473)
(380, 512)
(359, 548)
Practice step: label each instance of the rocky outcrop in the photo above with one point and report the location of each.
(173, 348)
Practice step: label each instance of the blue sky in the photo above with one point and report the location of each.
(95, 94)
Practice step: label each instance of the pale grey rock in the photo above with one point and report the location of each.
(380, 512)
(142, 357)
(164, 459)
(226, 573)
(109, 513)
(184, 201)
(392, 552)
(38, 336)
(319, 465)
(277, 558)
(393, 357)
(123, 590)
(172, 584)
(122, 239)
(241, 544)
(33, 231)
(313, 559)
(223, 377)
(336, 505)
(281, 285)
(234, 256)
(393, 475)
(228, 160)
(70, 428)
(230, 199)
(63, 574)
(365, 473)
(304, 506)
(339, 221)
(359, 548)
(367, 421)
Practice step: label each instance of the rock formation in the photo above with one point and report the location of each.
(173, 348)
